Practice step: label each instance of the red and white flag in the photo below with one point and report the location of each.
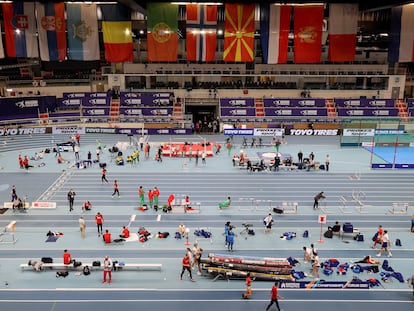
(343, 26)
(274, 32)
(201, 32)
(307, 42)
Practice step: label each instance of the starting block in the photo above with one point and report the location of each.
(399, 208)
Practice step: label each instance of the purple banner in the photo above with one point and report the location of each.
(236, 102)
(368, 112)
(26, 107)
(65, 114)
(271, 112)
(85, 94)
(294, 102)
(157, 111)
(238, 112)
(410, 102)
(96, 101)
(138, 131)
(130, 111)
(145, 98)
(95, 112)
(69, 102)
(363, 102)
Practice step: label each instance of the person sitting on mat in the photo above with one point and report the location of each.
(225, 203)
(368, 259)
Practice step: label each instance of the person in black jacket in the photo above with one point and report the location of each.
(317, 197)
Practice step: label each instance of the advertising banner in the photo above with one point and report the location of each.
(233, 112)
(294, 102)
(271, 112)
(237, 102)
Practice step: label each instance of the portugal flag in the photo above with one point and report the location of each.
(162, 34)
(239, 33)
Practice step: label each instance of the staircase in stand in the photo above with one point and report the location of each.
(330, 107)
(44, 118)
(178, 112)
(114, 110)
(258, 103)
(402, 110)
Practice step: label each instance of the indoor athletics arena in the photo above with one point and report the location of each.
(201, 155)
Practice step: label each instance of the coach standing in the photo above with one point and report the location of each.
(71, 199)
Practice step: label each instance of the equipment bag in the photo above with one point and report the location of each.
(76, 263)
(96, 263)
(47, 260)
(328, 234)
(62, 273)
(86, 270)
(278, 210)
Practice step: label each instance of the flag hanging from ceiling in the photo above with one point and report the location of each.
(201, 32)
(343, 27)
(307, 42)
(274, 32)
(1, 47)
(20, 29)
(239, 33)
(401, 35)
(162, 36)
(51, 28)
(117, 32)
(82, 27)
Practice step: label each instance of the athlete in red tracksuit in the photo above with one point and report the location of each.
(186, 266)
(99, 221)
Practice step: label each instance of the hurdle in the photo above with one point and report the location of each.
(359, 198)
(344, 200)
(290, 207)
(243, 207)
(399, 208)
(261, 205)
(8, 231)
(355, 176)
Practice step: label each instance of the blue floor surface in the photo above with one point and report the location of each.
(354, 193)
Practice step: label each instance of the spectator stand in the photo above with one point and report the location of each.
(247, 204)
(399, 208)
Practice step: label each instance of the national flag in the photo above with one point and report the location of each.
(343, 26)
(307, 40)
(82, 27)
(239, 33)
(162, 36)
(117, 32)
(201, 34)
(401, 44)
(274, 32)
(20, 29)
(1, 47)
(51, 28)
